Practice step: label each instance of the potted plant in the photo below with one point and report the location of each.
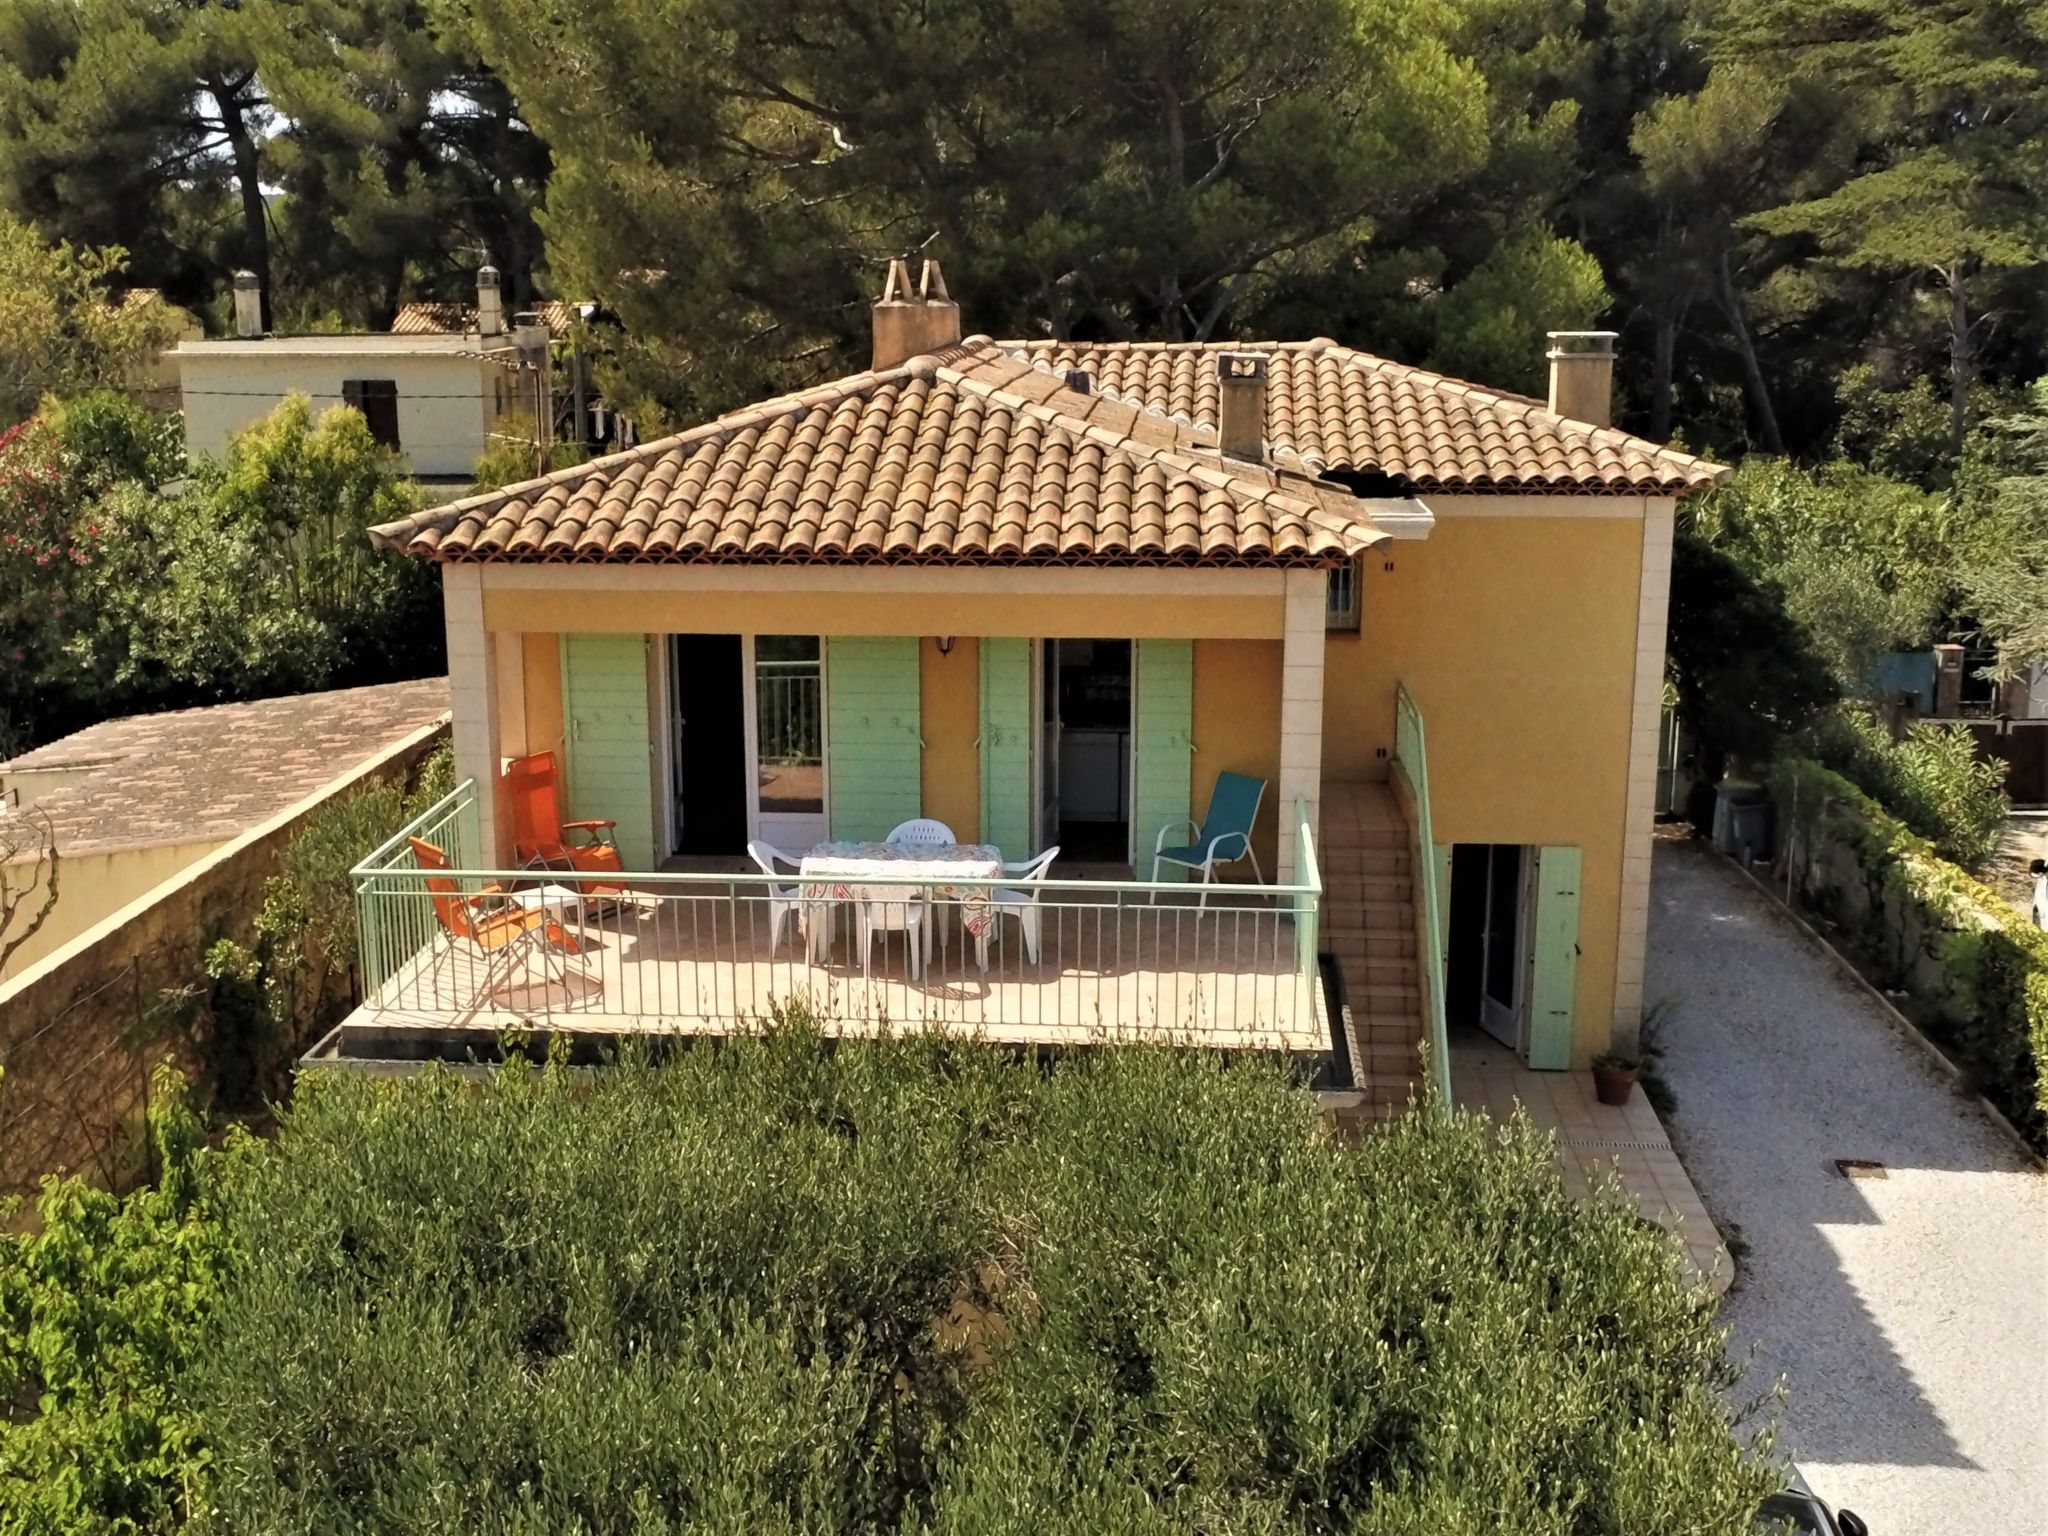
(1615, 1072)
(1614, 1076)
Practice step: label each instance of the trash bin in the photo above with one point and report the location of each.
(1742, 821)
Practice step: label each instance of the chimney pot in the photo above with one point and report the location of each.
(911, 323)
(1582, 375)
(490, 309)
(248, 305)
(1241, 404)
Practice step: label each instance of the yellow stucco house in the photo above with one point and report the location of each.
(1046, 592)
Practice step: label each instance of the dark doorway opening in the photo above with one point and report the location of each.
(1485, 951)
(1088, 691)
(708, 704)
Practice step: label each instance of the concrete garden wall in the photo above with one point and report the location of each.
(82, 1027)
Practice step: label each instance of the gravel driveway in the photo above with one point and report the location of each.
(1908, 1314)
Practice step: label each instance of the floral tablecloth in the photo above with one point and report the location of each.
(832, 872)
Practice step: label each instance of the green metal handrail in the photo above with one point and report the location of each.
(394, 910)
(1411, 757)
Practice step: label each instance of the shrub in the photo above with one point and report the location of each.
(1931, 779)
(1913, 909)
(100, 1312)
(511, 456)
(778, 1286)
(1745, 671)
(266, 1004)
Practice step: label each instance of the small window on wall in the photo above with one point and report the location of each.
(1341, 607)
(377, 399)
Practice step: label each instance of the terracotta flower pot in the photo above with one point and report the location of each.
(1613, 1085)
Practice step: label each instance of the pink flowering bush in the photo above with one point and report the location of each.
(50, 534)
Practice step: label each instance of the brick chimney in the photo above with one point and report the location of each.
(909, 324)
(1582, 375)
(1241, 404)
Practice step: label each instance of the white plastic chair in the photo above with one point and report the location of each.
(896, 913)
(782, 899)
(923, 833)
(1022, 905)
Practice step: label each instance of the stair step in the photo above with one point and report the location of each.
(1370, 917)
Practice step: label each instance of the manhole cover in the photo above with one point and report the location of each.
(1860, 1168)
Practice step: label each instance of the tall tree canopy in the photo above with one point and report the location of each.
(732, 172)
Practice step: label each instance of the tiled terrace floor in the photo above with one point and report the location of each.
(705, 965)
(1593, 1137)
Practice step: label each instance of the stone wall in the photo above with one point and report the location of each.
(81, 1029)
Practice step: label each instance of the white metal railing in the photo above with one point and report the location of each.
(1229, 965)
(789, 711)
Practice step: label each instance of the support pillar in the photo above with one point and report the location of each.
(473, 701)
(1301, 712)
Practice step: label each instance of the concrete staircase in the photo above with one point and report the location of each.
(1368, 925)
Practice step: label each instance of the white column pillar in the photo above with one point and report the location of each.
(473, 700)
(1639, 817)
(1301, 710)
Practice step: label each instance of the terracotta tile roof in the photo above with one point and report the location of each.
(973, 457)
(423, 317)
(1337, 410)
(206, 775)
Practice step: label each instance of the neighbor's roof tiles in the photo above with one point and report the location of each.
(1337, 410)
(972, 457)
(423, 317)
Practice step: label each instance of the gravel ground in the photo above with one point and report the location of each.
(2024, 839)
(1908, 1315)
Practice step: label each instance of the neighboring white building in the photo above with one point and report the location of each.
(433, 399)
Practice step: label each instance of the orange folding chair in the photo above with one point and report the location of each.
(505, 935)
(540, 836)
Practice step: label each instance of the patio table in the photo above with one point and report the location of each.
(833, 872)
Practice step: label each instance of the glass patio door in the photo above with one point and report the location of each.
(1504, 941)
(787, 701)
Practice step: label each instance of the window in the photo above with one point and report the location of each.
(1341, 606)
(377, 399)
(789, 719)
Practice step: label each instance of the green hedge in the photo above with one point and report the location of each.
(775, 1286)
(1993, 1004)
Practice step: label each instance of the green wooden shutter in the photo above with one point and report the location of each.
(1162, 739)
(1006, 746)
(872, 726)
(604, 713)
(1554, 958)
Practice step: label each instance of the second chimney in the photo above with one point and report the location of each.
(1241, 404)
(490, 310)
(1582, 375)
(248, 305)
(909, 324)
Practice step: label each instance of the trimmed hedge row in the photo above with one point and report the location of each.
(1977, 968)
(778, 1286)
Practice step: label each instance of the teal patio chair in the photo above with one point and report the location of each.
(1225, 835)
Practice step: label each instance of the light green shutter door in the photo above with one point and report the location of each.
(1006, 746)
(1554, 958)
(604, 711)
(1162, 739)
(872, 724)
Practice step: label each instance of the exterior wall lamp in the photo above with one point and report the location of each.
(945, 644)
